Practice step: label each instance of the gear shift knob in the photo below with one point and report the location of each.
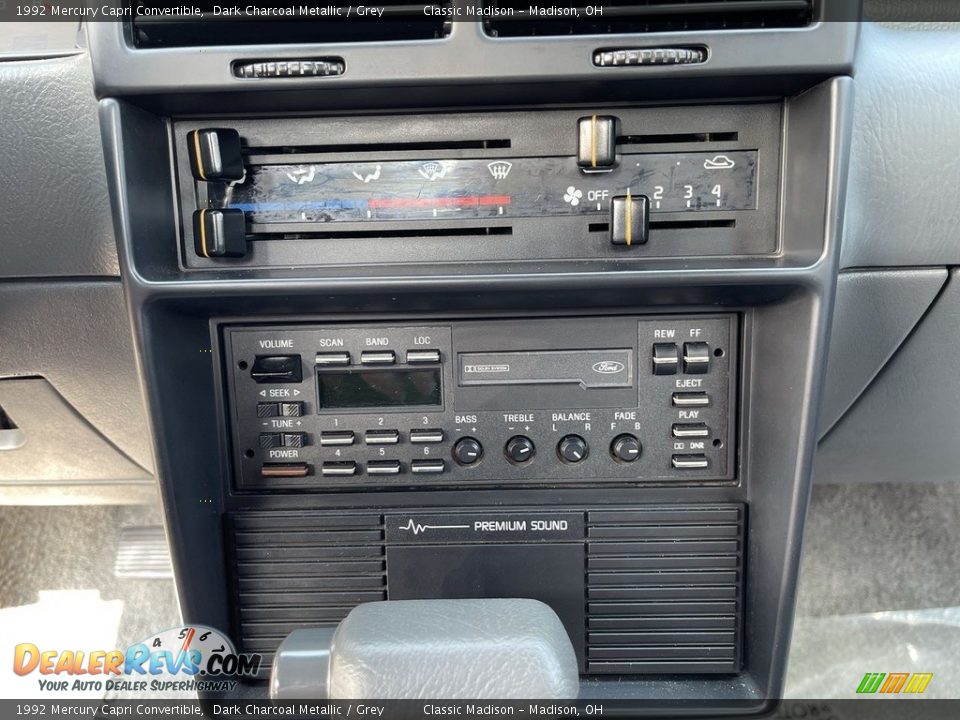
(444, 649)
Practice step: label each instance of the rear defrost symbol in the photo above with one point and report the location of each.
(572, 196)
(500, 169)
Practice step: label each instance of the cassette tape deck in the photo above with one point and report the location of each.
(567, 400)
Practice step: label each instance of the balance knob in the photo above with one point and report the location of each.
(467, 451)
(572, 449)
(626, 448)
(520, 449)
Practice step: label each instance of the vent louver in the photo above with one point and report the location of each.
(664, 590)
(509, 18)
(285, 21)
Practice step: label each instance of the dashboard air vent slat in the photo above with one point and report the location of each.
(283, 22)
(511, 18)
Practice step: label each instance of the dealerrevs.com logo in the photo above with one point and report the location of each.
(191, 658)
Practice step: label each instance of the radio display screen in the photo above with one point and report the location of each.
(378, 388)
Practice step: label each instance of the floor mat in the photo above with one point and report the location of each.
(57, 584)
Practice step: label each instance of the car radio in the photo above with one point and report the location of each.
(494, 402)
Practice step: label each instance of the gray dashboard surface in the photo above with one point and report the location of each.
(54, 209)
(904, 428)
(60, 450)
(77, 336)
(904, 164)
(874, 311)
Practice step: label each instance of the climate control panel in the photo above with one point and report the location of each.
(647, 399)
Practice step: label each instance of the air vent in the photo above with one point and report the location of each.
(507, 18)
(300, 570)
(664, 590)
(284, 21)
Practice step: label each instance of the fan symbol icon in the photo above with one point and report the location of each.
(573, 196)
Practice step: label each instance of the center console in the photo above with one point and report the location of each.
(451, 339)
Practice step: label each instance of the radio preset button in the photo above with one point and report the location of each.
(666, 359)
(277, 369)
(337, 437)
(427, 467)
(690, 462)
(383, 467)
(690, 430)
(423, 436)
(690, 399)
(467, 451)
(339, 468)
(378, 357)
(333, 359)
(382, 437)
(520, 449)
(626, 448)
(696, 358)
(423, 357)
(572, 449)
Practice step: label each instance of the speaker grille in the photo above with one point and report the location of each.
(664, 590)
(300, 570)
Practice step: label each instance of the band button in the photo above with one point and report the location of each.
(378, 357)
